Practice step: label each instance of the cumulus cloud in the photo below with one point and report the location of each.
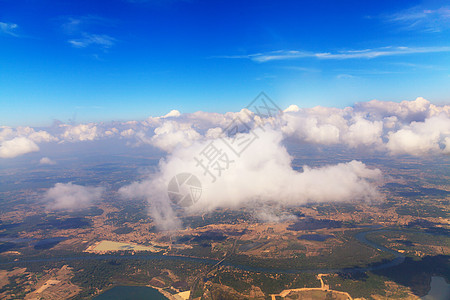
(214, 133)
(16, 147)
(311, 128)
(46, 161)
(127, 133)
(42, 136)
(363, 132)
(383, 126)
(21, 140)
(419, 138)
(292, 108)
(81, 132)
(28, 132)
(6, 133)
(173, 113)
(173, 134)
(262, 174)
(405, 111)
(409, 127)
(71, 196)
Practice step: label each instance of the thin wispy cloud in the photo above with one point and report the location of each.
(340, 55)
(101, 40)
(419, 18)
(8, 29)
(302, 69)
(81, 31)
(73, 25)
(346, 76)
(361, 72)
(420, 66)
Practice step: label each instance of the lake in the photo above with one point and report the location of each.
(131, 293)
(440, 290)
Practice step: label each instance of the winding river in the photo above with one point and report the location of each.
(361, 236)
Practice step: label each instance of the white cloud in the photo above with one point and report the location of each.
(79, 29)
(318, 125)
(292, 108)
(77, 25)
(347, 54)
(21, 140)
(419, 138)
(367, 124)
(111, 132)
(214, 133)
(206, 120)
(71, 196)
(128, 133)
(446, 143)
(28, 132)
(405, 111)
(408, 127)
(42, 136)
(371, 124)
(173, 134)
(6, 133)
(173, 113)
(156, 121)
(88, 39)
(16, 147)
(263, 174)
(272, 214)
(345, 76)
(81, 132)
(422, 19)
(155, 192)
(8, 29)
(46, 161)
(363, 132)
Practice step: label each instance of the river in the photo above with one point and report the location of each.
(361, 236)
(131, 293)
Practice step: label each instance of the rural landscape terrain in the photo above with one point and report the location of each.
(312, 250)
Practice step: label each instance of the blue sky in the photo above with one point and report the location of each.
(121, 60)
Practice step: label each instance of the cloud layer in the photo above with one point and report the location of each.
(409, 127)
(261, 174)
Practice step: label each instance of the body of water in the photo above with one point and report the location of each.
(131, 293)
(398, 259)
(440, 290)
